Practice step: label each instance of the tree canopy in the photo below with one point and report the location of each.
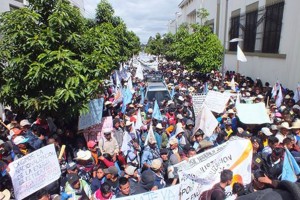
(194, 46)
(53, 60)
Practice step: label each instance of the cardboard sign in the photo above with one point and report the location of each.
(216, 101)
(198, 100)
(252, 113)
(94, 116)
(34, 171)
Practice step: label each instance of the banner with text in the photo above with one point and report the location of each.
(216, 101)
(169, 193)
(203, 171)
(94, 115)
(34, 171)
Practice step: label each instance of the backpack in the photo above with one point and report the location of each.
(206, 195)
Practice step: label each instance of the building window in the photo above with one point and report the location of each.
(234, 31)
(272, 28)
(250, 31)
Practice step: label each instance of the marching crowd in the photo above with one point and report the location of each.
(103, 170)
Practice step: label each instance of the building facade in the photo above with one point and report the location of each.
(269, 31)
(9, 5)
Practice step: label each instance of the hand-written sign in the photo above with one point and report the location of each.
(94, 115)
(169, 193)
(198, 100)
(34, 171)
(216, 101)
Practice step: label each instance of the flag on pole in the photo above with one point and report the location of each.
(238, 99)
(139, 72)
(130, 85)
(240, 55)
(275, 89)
(139, 121)
(232, 84)
(279, 98)
(290, 168)
(126, 139)
(156, 112)
(118, 82)
(150, 135)
(297, 93)
(127, 96)
(172, 92)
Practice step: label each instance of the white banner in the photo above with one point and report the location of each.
(198, 100)
(169, 193)
(34, 171)
(252, 113)
(205, 168)
(216, 101)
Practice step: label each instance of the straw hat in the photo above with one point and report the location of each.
(285, 125)
(159, 126)
(296, 124)
(266, 131)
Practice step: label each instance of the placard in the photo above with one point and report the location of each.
(34, 171)
(198, 100)
(216, 101)
(253, 113)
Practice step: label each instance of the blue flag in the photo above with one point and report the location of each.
(290, 167)
(172, 92)
(156, 112)
(127, 96)
(143, 95)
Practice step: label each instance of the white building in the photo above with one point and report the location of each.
(8, 5)
(269, 31)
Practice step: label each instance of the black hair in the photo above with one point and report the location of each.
(41, 193)
(278, 151)
(105, 188)
(123, 181)
(238, 189)
(272, 140)
(107, 156)
(226, 175)
(286, 141)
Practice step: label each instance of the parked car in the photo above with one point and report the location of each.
(157, 91)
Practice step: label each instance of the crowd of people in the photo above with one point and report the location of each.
(103, 170)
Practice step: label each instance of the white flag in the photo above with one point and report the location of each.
(130, 86)
(139, 121)
(279, 98)
(126, 139)
(139, 72)
(240, 55)
(205, 121)
(232, 84)
(150, 135)
(297, 93)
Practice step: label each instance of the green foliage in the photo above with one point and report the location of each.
(199, 50)
(202, 14)
(53, 60)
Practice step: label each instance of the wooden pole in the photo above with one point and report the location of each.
(62, 150)
(4, 124)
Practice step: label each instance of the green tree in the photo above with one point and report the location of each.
(200, 50)
(53, 62)
(104, 12)
(155, 45)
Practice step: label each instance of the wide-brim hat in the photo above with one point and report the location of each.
(83, 155)
(128, 123)
(296, 124)
(284, 125)
(156, 164)
(130, 170)
(205, 144)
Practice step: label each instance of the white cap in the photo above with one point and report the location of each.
(25, 122)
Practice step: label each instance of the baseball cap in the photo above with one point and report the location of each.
(25, 122)
(91, 144)
(130, 170)
(20, 140)
(156, 164)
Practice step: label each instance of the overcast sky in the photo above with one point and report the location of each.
(144, 17)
